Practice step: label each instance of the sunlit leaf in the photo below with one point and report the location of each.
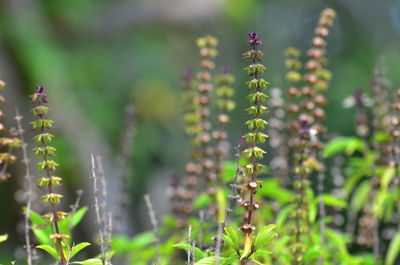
(209, 261)
(248, 242)
(394, 250)
(199, 254)
(343, 144)
(3, 238)
(265, 235)
(78, 248)
(222, 204)
(231, 237)
(49, 249)
(201, 201)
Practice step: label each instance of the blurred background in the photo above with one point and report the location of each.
(96, 57)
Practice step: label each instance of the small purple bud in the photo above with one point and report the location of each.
(358, 96)
(254, 41)
(188, 73)
(253, 35)
(304, 123)
(174, 182)
(39, 89)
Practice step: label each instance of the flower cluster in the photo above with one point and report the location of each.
(368, 229)
(208, 51)
(307, 144)
(302, 170)
(182, 194)
(225, 104)
(256, 125)
(45, 151)
(279, 163)
(8, 143)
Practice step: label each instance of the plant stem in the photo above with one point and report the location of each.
(28, 179)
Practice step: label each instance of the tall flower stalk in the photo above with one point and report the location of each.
(182, 194)
(208, 51)
(29, 184)
(7, 143)
(255, 124)
(225, 104)
(302, 171)
(45, 152)
(318, 79)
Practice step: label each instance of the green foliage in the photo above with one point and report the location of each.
(199, 254)
(231, 237)
(3, 238)
(51, 250)
(349, 145)
(394, 250)
(265, 236)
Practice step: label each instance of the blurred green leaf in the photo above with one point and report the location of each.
(231, 237)
(3, 238)
(201, 201)
(75, 250)
(331, 200)
(222, 204)
(312, 253)
(343, 144)
(393, 250)
(89, 262)
(360, 196)
(199, 254)
(49, 249)
(209, 261)
(265, 236)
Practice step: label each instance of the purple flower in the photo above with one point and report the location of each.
(39, 95)
(358, 96)
(174, 182)
(188, 73)
(304, 130)
(253, 41)
(39, 89)
(304, 123)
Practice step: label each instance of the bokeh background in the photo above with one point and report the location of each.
(96, 57)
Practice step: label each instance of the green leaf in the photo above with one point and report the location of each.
(339, 241)
(65, 224)
(248, 244)
(393, 251)
(343, 144)
(265, 235)
(387, 176)
(271, 188)
(221, 200)
(262, 253)
(199, 254)
(382, 137)
(209, 261)
(229, 260)
(283, 214)
(49, 249)
(312, 253)
(201, 201)
(124, 244)
(229, 171)
(3, 238)
(331, 200)
(78, 248)
(360, 196)
(89, 262)
(42, 234)
(231, 237)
